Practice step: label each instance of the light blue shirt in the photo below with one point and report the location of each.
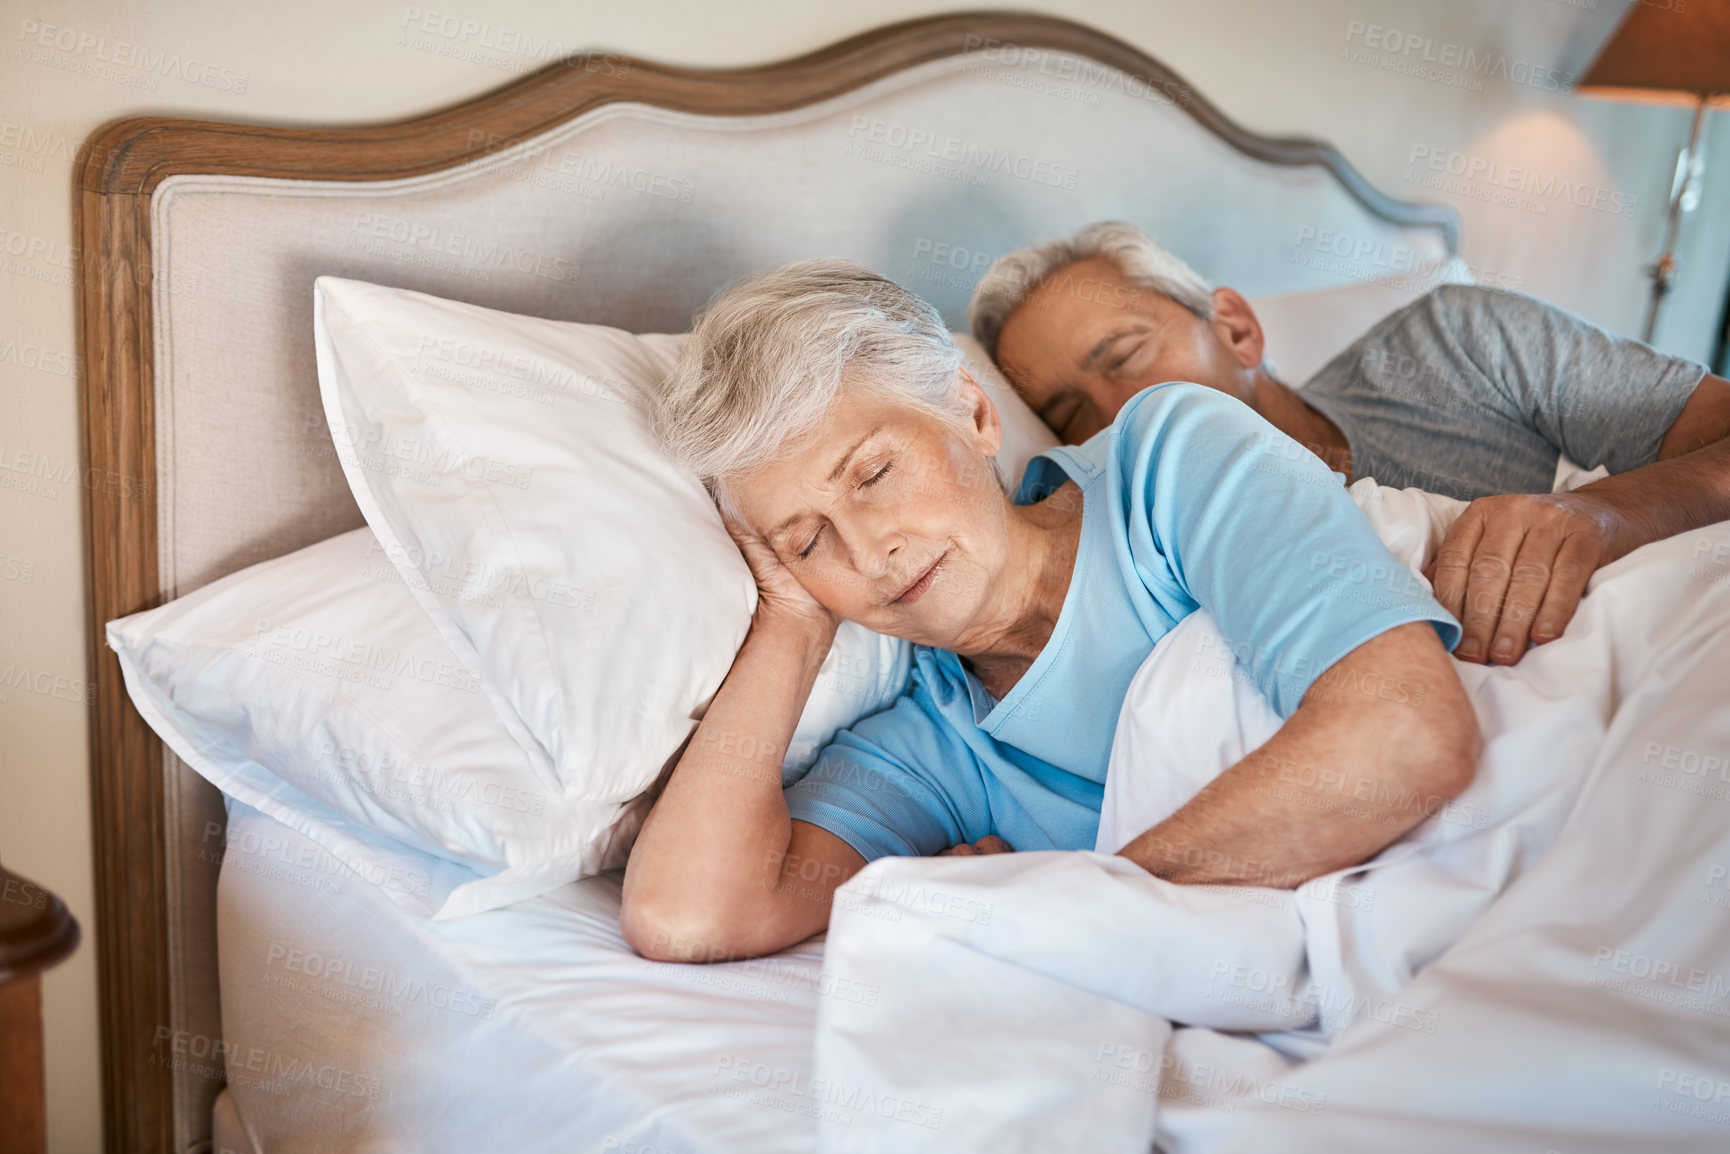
(1189, 500)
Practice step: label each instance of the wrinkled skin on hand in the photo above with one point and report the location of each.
(1513, 568)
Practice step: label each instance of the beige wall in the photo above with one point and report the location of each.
(1275, 65)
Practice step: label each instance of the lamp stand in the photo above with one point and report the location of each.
(1684, 195)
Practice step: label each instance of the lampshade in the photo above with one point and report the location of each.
(1666, 52)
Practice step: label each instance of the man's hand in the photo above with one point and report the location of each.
(988, 844)
(1514, 568)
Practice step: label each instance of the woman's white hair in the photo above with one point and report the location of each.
(770, 353)
(1143, 261)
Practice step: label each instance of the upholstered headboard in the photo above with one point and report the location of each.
(603, 189)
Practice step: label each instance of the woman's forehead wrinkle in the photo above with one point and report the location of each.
(841, 463)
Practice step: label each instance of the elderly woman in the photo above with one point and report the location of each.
(852, 458)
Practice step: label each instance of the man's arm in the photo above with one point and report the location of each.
(1384, 738)
(1513, 568)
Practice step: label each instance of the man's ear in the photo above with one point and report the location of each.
(1238, 327)
(985, 422)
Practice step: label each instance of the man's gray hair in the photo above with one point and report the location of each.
(771, 352)
(1143, 261)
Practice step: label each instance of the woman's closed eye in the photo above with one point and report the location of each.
(805, 553)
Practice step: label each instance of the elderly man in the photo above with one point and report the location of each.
(1470, 392)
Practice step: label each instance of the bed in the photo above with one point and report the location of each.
(610, 190)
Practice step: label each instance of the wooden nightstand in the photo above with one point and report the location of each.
(36, 933)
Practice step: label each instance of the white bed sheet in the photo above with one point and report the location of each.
(1585, 1007)
(352, 1025)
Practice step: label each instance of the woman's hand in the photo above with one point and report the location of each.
(989, 844)
(778, 591)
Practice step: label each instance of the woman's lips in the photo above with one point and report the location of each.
(917, 590)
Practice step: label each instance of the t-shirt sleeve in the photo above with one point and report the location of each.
(1599, 398)
(900, 782)
(1255, 529)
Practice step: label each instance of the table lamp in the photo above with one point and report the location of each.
(1668, 52)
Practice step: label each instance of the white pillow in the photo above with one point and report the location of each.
(1304, 331)
(863, 673)
(314, 687)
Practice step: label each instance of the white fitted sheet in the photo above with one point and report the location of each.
(531, 1028)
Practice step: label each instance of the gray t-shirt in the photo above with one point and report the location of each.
(1470, 391)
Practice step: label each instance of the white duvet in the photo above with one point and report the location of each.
(1540, 965)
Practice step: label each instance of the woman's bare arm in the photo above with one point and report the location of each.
(720, 870)
(1383, 739)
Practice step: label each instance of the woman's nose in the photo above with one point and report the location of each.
(874, 562)
(873, 551)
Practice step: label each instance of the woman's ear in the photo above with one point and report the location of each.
(1237, 327)
(985, 422)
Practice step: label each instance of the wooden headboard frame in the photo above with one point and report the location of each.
(126, 162)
